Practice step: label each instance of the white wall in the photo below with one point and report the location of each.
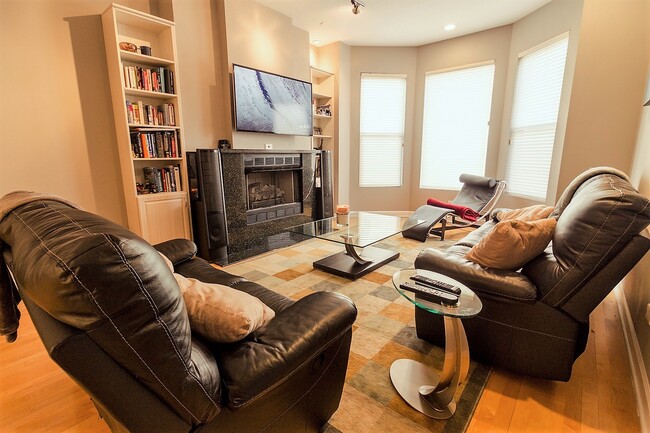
(262, 38)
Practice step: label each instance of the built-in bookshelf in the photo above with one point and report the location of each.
(143, 74)
(322, 108)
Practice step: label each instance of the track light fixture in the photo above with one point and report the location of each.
(356, 4)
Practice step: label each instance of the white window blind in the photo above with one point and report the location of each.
(382, 113)
(538, 88)
(455, 125)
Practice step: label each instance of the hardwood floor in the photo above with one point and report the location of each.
(36, 396)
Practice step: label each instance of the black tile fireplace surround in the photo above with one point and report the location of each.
(266, 191)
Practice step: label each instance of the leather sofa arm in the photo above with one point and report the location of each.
(177, 250)
(496, 283)
(295, 337)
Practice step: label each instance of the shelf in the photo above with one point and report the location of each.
(315, 95)
(322, 136)
(141, 59)
(322, 116)
(157, 159)
(160, 195)
(148, 93)
(320, 74)
(154, 128)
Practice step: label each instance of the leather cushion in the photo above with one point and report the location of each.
(512, 243)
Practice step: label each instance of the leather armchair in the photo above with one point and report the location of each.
(535, 321)
(111, 315)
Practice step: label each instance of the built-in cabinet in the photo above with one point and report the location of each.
(143, 75)
(322, 108)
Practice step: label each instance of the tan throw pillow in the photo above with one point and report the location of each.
(220, 313)
(512, 243)
(530, 213)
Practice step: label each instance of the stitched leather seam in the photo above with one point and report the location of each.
(63, 264)
(162, 323)
(525, 330)
(506, 296)
(573, 266)
(147, 296)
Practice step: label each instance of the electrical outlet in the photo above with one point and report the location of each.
(268, 146)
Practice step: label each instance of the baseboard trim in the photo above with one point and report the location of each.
(639, 374)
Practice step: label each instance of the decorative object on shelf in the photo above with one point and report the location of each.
(145, 50)
(128, 46)
(317, 130)
(324, 110)
(224, 144)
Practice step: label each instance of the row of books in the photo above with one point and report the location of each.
(166, 179)
(154, 144)
(144, 114)
(153, 79)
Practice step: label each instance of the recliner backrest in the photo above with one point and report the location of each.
(96, 276)
(598, 215)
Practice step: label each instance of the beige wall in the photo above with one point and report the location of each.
(389, 61)
(637, 283)
(610, 78)
(56, 123)
(200, 39)
(262, 38)
(555, 18)
(490, 45)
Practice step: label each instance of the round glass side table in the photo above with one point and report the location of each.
(422, 388)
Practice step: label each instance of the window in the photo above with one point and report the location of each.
(455, 125)
(383, 104)
(534, 118)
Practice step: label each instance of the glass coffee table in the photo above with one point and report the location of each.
(363, 229)
(419, 386)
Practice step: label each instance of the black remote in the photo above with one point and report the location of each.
(430, 282)
(429, 294)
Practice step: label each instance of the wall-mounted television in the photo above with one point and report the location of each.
(271, 103)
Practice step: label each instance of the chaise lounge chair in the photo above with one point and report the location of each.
(477, 197)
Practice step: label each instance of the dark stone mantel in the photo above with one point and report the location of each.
(245, 238)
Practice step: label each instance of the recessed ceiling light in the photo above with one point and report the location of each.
(450, 27)
(315, 42)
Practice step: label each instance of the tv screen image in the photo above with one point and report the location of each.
(266, 102)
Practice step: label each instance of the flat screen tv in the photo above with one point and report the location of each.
(266, 102)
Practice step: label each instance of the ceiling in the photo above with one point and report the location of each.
(400, 23)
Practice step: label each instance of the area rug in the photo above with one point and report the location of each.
(383, 332)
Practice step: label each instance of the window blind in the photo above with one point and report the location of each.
(455, 125)
(382, 113)
(536, 105)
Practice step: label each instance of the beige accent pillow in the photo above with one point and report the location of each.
(530, 213)
(512, 243)
(220, 313)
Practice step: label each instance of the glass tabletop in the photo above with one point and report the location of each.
(468, 305)
(363, 229)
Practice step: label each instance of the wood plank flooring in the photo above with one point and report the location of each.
(36, 396)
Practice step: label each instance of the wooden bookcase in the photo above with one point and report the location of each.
(148, 123)
(322, 96)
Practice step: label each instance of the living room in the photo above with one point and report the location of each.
(60, 81)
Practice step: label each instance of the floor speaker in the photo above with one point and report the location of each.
(324, 185)
(208, 204)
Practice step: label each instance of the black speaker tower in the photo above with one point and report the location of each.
(324, 185)
(208, 204)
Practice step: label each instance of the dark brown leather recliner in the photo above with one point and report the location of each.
(111, 315)
(535, 321)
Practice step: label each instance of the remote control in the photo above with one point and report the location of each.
(436, 284)
(429, 294)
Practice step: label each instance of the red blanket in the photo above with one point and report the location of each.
(462, 211)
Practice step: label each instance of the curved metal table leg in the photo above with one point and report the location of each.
(422, 388)
(350, 251)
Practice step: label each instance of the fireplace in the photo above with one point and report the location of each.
(273, 187)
